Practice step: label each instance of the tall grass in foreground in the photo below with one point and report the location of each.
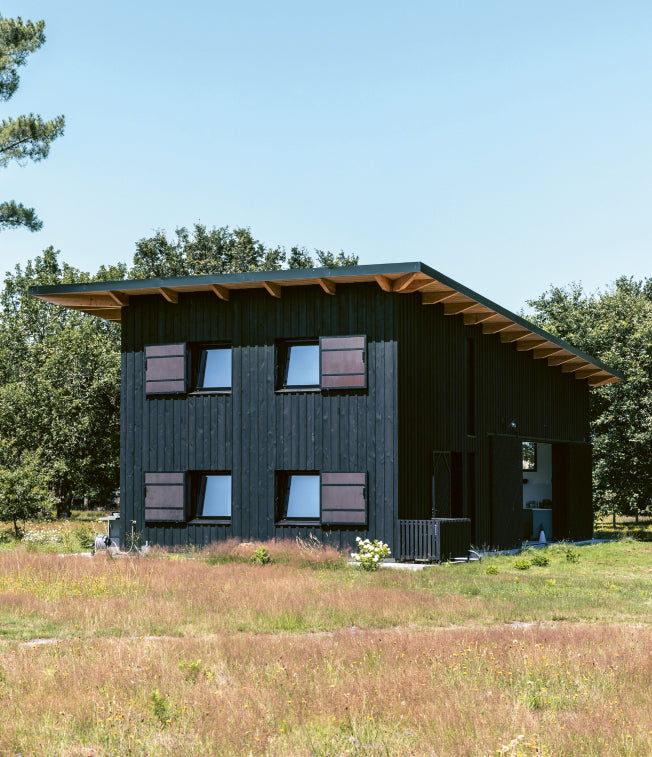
(568, 690)
(210, 654)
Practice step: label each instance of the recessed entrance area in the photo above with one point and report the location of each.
(537, 489)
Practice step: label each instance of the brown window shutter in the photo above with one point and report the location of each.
(343, 362)
(165, 497)
(343, 499)
(165, 369)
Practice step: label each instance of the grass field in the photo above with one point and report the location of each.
(208, 654)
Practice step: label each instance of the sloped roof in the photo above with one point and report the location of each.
(107, 298)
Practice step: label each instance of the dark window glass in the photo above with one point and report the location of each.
(302, 365)
(302, 496)
(214, 368)
(215, 496)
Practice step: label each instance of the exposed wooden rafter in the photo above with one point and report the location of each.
(524, 345)
(273, 288)
(507, 336)
(119, 298)
(495, 327)
(169, 294)
(565, 357)
(453, 308)
(432, 298)
(403, 282)
(472, 319)
(542, 352)
(221, 292)
(384, 282)
(327, 285)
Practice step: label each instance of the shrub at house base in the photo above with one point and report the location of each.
(370, 553)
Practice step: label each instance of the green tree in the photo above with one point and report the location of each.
(25, 137)
(616, 327)
(220, 250)
(60, 384)
(24, 491)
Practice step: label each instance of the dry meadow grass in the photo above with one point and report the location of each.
(208, 654)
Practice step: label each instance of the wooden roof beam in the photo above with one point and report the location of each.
(543, 352)
(602, 380)
(471, 319)
(453, 308)
(588, 371)
(273, 289)
(221, 292)
(416, 285)
(524, 345)
(169, 294)
(495, 327)
(403, 282)
(119, 298)
(432, 298)
(327, 285)
(573, 365)
(384, 282)
(561, 359)
(513, 336)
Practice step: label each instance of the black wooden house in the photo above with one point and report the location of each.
(379, 401)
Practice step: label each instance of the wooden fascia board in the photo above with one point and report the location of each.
(169, 294)
(221, 291)
(384, 282)
(433, 298)
(327, 285)
(85, 301)
(273, 288)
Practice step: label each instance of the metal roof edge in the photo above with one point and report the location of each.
(286, 274)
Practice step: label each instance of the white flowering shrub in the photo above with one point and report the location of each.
(370, 553)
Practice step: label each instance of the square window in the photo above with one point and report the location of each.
(214, 496)
(299, 496)
(300, 366)
(214, 370)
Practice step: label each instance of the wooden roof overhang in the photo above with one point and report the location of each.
(107, 299)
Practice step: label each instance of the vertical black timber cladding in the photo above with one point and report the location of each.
(165, 497)
(343, 362)
(441, 485)
(343, 498)
(506, 491)
(165, 371)
(572, 509)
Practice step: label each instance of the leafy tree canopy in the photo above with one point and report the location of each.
(616, 327)
(220, 250)
(25, 137)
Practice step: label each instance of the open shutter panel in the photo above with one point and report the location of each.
(165, 371)
(343, 362)
(343, 499)
(165, 497)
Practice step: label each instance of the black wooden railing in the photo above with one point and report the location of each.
(434, 540)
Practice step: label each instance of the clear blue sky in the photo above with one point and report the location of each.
(506, 144)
